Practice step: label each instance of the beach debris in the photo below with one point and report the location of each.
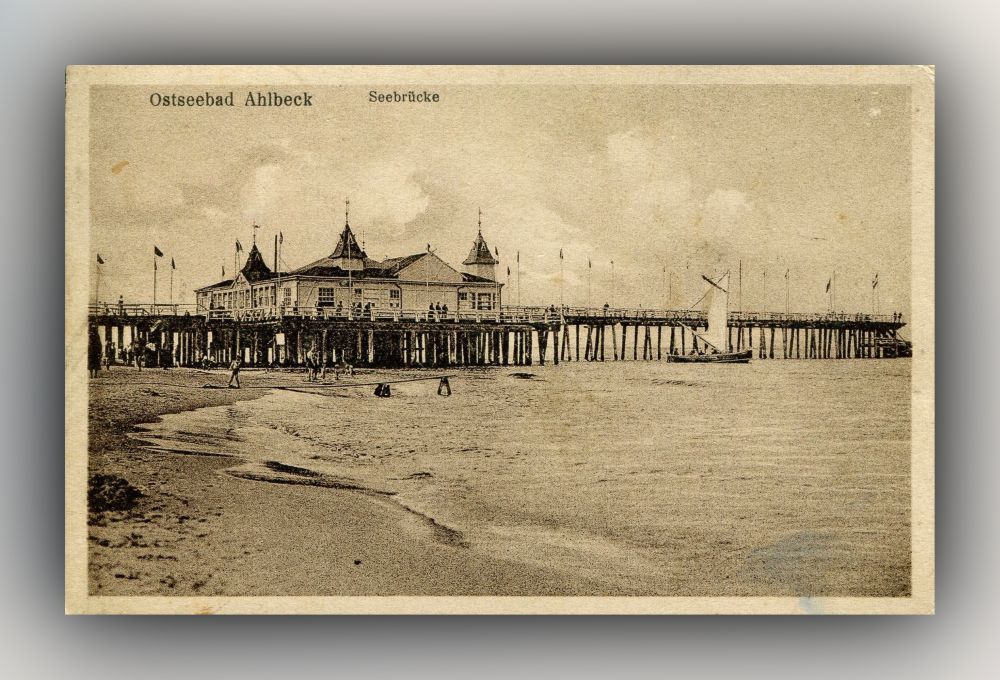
(357, 562)
(383, 390)
(522, 376)
(111, 493)
(290, 469)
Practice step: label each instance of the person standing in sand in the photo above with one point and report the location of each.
(311, 366)
(93, 352)
(234, 371)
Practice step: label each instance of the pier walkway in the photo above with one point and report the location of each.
(186, 335)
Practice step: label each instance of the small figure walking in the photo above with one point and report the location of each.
(94, 352)
(234, 368)
(312, 366)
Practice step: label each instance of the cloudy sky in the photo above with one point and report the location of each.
(668, 181)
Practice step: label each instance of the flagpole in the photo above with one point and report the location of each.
(560, 277)
(763, 295)
(171, 282)
(519, 278)
(97, 294)
(590, 276)
(154, 284)
(612, 283)
(741, 286)
(786, 290)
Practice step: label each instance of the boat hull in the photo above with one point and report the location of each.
(719, 358)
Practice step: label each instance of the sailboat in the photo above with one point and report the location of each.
(716, 338)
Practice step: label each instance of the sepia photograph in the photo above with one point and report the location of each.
(519, 340)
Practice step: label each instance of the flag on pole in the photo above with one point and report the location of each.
(589, 264)
(508, 271)
(496, 249)
(519, 256)
(828, 285)
(875, 280)
(223, 271)
(157, 252)
(786, 274)
(172, 265)
(560, 254)
(99, 259)
(281, 237)
(239, 247)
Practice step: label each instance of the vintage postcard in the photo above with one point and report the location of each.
(616, 339)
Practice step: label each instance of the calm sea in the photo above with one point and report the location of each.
(773, 478)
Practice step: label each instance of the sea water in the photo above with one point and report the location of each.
(773, 478)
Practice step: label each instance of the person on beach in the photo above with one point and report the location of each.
(234, 371)
(311, 364)
(94, 353)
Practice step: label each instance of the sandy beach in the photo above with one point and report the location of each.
(508, 487)
(196, 531)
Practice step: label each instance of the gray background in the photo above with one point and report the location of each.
(40, 38)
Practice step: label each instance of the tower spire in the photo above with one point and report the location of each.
(480, 221)
(347, 211)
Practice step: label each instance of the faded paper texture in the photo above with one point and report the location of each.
(500, 340)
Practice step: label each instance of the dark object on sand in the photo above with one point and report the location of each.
(383, 390)
(522, 376)
(712, 358)
(111, 493)
(444, 387)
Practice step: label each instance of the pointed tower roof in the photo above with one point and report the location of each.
(255, 269)
(480, 253)
(347, 246)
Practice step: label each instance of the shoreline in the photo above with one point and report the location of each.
(197, 530)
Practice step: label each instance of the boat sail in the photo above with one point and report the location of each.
(716, 337)
(717, 308)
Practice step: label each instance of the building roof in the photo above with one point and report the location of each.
(480, 253)
(255, 269)
(347, 246)
(472, 278)
(226, 283)
(328, 266)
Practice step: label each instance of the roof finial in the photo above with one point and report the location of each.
(347, 211)
(480, 221)
(255, 228)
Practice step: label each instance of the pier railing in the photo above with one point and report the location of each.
(507, 314)
(131, 309)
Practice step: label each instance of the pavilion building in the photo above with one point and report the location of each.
(348, 279)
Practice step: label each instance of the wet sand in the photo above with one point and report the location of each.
(197, 531)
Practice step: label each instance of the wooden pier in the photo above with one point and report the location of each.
(516, 336)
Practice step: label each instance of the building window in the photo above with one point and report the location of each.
(393, 294)
(326, 297)
(358, 292)
(463, 297)
(287, 296)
